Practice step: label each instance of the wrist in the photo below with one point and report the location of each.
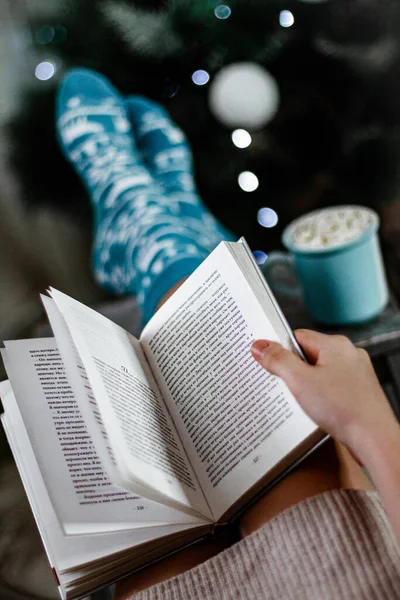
(375, 439)
(380, 453)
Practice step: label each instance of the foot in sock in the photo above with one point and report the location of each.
(151, 229)
(167, 154)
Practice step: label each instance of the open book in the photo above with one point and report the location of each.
(131, 449)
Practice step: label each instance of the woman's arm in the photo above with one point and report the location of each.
(379, 450)
(341, 393)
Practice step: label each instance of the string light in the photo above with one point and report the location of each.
(45, 70)
(45, 35)
(248, 181)
(241, 138)
(267, 217)
(260, 256)
(244, 95)
(200, 77)
(286, 18)
(222, 12)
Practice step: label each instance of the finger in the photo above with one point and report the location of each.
(278, 361)
(312, 342)
(162, 143)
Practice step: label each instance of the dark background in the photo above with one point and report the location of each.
(334, 140)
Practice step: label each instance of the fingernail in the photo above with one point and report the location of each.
(258, 348)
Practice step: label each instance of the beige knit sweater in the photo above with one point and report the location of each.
(337, 545)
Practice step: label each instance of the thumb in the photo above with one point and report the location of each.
(278, 361)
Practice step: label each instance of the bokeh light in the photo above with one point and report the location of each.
(244, 94)
(267, 217)
(286, 18)
(260, 256)
(241, 138)
(45, 70)
(200, 77)
(45, 35)
(222, 11)
(248, 181)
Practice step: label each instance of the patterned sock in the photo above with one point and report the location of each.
(167, 154)
(151, 229)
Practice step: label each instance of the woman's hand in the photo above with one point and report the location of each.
(339, 390)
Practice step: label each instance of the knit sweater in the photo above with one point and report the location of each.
(337, 545)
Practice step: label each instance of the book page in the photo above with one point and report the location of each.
(112, 461)
(83, 495)
(237, 421)
(133, 411)
(68, 554)
(81, 388)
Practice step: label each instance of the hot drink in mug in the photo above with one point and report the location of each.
(338, 261)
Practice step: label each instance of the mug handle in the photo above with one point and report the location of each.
(282, 260)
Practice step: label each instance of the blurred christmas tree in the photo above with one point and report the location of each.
(328, 72)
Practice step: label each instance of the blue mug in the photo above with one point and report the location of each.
(341, 285)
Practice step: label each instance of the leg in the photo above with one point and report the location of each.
(151, 228)
(330, 467)
(170, 293)
(174, 565)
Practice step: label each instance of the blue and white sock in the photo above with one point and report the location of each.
(151, 228)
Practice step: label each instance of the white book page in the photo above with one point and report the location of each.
(236, 420)
(112, 461)
(67, 553)
(83, 496)
(139, 426)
